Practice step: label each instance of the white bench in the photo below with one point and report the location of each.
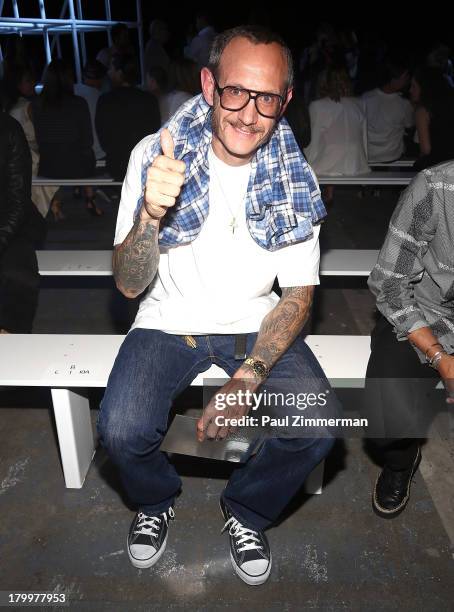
(334, 262)
(378, 178)
(348, 262)
(398, 163)
(382, 178)
(74, 263)
(81, 182)
(67, 363)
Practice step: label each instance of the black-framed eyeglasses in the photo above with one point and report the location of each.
(235, 98)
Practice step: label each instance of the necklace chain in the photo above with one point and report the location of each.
(233, 223)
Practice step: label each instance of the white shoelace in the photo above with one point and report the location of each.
(149, 524)
(243, 535)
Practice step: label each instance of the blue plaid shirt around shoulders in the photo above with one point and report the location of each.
(283, 198)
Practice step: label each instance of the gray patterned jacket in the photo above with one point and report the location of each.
(413, 279)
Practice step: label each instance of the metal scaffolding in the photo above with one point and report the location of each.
(71, 21)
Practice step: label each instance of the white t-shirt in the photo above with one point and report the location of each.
(221, 282)
(388, 115)
(338, 137)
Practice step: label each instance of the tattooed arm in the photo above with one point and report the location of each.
(277, 332)
(282, 325)
(136, 260)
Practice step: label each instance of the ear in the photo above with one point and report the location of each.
(287, 100)
(207, 81)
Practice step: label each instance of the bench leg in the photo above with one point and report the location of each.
(75, 435)
(314, 482)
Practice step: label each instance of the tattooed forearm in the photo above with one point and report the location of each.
(136, 260)
(282, 325)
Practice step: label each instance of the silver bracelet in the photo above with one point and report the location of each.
(428, 349)
(435, 359)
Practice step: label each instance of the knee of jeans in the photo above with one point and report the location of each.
(122, 436)
(324, 446)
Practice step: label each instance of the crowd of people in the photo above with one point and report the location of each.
(375, 104)
(354, 103)
(226, 176)
(69, 125)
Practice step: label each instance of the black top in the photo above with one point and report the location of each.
(65, 138)
(15, 180)
(441, 130)
(297, 115)
(123, 117)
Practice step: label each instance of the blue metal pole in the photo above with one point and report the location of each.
(42, 10)
(75, 41)
(140, 34)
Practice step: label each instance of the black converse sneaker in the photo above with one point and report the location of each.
(249, 550)
(147, 538)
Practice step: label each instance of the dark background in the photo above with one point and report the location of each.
(410, 28)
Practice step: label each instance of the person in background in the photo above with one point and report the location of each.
(20, 91)
(433, 98)
(63, 131)
(316, 58)
(348, 42)
(338, 128)
(388, 113)
(93, 77)
(15, 56)
(124, 115)
(155, 52)
(184, 85)
(198, 50)
(185, 76)
(440, 57)
(121, 44)
(297, 115)
(20, 226)
(372, 50)
(412, 344)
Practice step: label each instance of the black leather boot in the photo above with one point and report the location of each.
(392, 490)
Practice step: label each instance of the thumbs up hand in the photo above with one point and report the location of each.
(165, 178)
(167, 146)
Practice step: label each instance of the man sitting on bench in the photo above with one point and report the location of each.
(413, 282)
(229, 205)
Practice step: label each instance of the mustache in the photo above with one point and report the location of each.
(252, 130)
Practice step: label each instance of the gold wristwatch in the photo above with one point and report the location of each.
(259, 368)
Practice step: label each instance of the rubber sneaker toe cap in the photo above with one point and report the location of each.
(142, 551)
(256, 567)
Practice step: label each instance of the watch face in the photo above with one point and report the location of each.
(260, 369)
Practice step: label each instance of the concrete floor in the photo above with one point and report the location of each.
(330, 552)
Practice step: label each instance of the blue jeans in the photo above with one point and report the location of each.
(152, 368)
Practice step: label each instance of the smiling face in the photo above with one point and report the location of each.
(261, 68)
